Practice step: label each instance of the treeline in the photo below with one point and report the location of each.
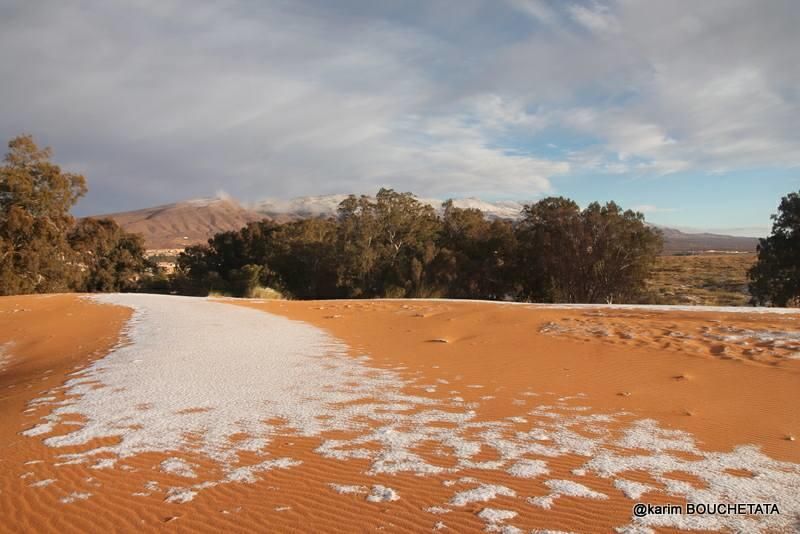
(42, 248)
(389, 246)
(392, 245)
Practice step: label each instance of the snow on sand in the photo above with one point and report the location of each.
(196, 373)
(195, 368)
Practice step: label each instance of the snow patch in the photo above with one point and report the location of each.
(573, 489)
(382, 494)
(632, 490)
(483, 493)
(545, 501)
(248, 473)
(346, 489)
(493, 515)
(646, 434)
(176, 466)
(75, 496)
(161, 391)
(38, 430)
(180, 495)
(105, 463)
(528, 469)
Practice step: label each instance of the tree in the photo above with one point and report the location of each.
(393, 245)
(623, 252)
(386, 245)
(775, 278)
(35, 201)
(357, 243)
(305, 259)
(196, 272)
(600, 254)
(109, 258)
(476, 256)
(549, 236)
(234, 261)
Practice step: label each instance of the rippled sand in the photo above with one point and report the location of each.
(394, 415)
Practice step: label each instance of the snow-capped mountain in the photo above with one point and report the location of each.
(326, 206)
(194, 221)
(298, 207)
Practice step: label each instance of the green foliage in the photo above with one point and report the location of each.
(600, 254)
(35, 199)
(41, 248)
(395, 246)
(477, 257)
(109, 258)
(389, 246)
(386, 245)
(775, 278)
(231, 263)
(245, 280)
(304, 254)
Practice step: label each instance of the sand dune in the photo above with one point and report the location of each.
(140, 412)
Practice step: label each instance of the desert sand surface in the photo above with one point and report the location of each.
(144, 413)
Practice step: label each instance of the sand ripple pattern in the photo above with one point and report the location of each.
(196, 374)
(732, 340)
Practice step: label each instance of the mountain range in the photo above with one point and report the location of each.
(178, 225)
(326, 206)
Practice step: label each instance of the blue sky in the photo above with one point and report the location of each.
(685, 110)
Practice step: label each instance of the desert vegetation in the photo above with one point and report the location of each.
(701, 279)
(392, 245)
(42, 248)
(775, 278)
(389, 245)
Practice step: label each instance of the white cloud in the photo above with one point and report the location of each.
(536, 9)
(595, 17)
(650, 208)
(679, 85)
(160, 100)
(175, 99)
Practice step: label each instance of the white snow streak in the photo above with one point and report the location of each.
(197, 373)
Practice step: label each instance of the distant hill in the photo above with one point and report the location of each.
(676, 242)
(194, 221)
(185, 223)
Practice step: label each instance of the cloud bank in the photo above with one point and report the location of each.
(168, 99)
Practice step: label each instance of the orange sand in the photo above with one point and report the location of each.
(687, 385)
(724, 396)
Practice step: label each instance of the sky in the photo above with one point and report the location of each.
(687, 111)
